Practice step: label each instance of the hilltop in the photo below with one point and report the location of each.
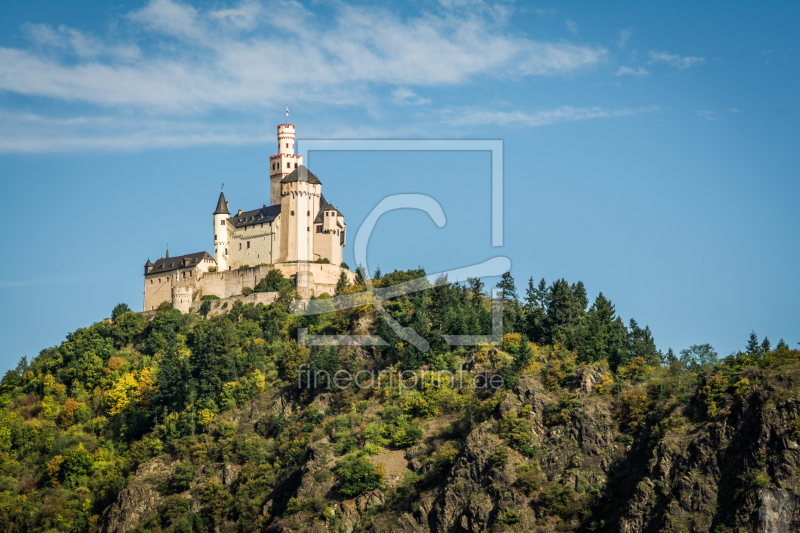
(213, 422)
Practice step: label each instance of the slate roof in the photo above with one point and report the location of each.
(301, 173)
(256, 216)
(167, 264)
(324, 206)
(222, 205)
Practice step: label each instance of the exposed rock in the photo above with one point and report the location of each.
(137, 501)
(586, 377)
(775, 513)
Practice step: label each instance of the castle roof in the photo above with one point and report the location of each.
(301, 173)
(148, 264)
(324, 206)
(256, 216)
(222, 205)
(167, 264)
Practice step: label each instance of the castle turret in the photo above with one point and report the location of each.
(221, 215)
(282, 164)
(300, 199)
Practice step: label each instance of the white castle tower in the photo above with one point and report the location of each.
(221, 215)
(282, 164)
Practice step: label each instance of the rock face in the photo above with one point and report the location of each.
(137, 501)
(776, 510)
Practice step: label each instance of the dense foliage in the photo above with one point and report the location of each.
(79, 419)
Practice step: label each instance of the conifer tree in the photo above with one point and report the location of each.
(765, 346)
(377, 275)
(341, 284)
(752, 344)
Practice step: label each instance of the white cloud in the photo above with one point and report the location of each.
(733, 110)
(675, 60)
(405, 96)
(640, 72)
(203, 62)
(704, 114)
(572, 26)
(624, 36)
(482, 116)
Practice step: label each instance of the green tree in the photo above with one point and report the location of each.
(342, 284)
(361, 274)
(118, 310)
(699, 358)
(205, 308)
(753, 347)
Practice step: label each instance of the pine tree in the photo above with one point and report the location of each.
(752, 344)
(377, 275)
(781, 344)
(531, 296)
(765, 346)
(361, 274)
(508, 291)
(342, 284)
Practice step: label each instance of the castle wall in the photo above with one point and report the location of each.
(264, 241)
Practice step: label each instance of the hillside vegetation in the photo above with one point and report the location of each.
(214, 422)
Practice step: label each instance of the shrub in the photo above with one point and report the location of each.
(119, 310)
(634, 407)
(510, 517)
(501, 455)
(247, 291)
(209, 298)
(407, 436)
(357, 475)
(529, 479)
(182, 477)
(445, 456)
(712, 394)
(293, 506)
(213, 269)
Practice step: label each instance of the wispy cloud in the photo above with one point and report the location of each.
(213, 59)
(705, 114)
(675, 60)
(472, 116)
(165, 73)
(405, 96)
(572, 26)
(639, 72)
(624, 37)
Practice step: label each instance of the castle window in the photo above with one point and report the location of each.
(295, 165)
(226, 251)
(308, 228)
(288, 165)
(184, 275)
(215, 236)
(319, 229)
(287, 145)
(221, 222)
(248, 244)
(292, 213)
(240, 246)
(308, 213)
(151, 282)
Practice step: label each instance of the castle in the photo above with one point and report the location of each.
(298, 233)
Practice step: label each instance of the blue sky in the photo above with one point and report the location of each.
(650, 151)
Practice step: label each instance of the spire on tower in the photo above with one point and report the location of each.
(167, 251)
(222, 205)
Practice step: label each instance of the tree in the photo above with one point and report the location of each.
(765, 346)
(341, 284)
(361, 274)
(205, 308)
(508, 291)
(752, 344)
(119, 309)
(699, 358)
(377, 275)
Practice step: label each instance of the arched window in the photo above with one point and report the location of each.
(287, 145)
(295, 165)
(288, 165)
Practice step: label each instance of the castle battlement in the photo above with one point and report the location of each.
(298, 227)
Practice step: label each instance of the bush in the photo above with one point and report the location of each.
(357, 475)
(209, 298)
(182, 477)
(501, 455)
(293, 506)
(119, 310)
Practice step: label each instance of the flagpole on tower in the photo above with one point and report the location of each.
(287, 115)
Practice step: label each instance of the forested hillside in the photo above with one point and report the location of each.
(213, 422)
